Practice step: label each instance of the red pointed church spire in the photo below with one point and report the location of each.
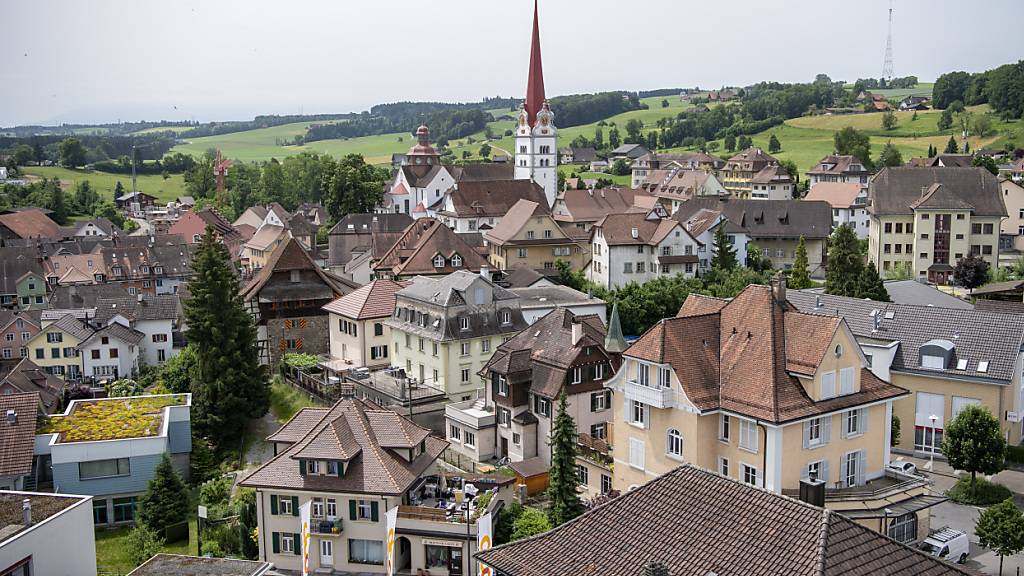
(535, 84)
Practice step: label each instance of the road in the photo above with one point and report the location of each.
(961, 517)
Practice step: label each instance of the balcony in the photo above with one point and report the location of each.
(325, 527)
(891, 484)
(658, 397)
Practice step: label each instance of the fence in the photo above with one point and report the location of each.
(460, 461)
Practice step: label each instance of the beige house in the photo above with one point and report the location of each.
(359, 336)
(947, 358)
(739, 171)
(528, 236)
(1013, 225)
(926, 219)
(258, 250)
(766, 395)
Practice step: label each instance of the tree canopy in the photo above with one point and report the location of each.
(166, 500)
(974, 443)
(564, 499)
(845, 263)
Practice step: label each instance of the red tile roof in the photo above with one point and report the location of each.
(32, 223)
(17, 439)
(375, 300)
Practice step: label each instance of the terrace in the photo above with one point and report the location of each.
(111, 418)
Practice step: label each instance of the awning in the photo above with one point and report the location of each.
(940, 267)
(915, 504)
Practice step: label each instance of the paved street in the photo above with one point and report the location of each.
(963, 518)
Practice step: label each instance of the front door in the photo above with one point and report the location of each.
(455, 562)
(327, 553)
(504, 447)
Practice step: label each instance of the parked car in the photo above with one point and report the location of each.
(948, 544)
(903, 467)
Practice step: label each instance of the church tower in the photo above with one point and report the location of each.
(536, 136)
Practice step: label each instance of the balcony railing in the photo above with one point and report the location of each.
(656, 396)
(892, 483)
(325, 526)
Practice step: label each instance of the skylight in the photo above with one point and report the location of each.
(961, 364)
(983, 366)
(889, 315)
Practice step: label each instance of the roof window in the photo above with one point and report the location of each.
(983, 366)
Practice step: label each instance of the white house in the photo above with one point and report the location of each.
(156, 317)
(53, 534)
(849, 201)
(538, 300)
(112, 351)
(637, 247)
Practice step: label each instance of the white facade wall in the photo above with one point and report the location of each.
(536, 157)
(126, 362)
(150, 353)
(62, 545)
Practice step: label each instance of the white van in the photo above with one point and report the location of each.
(948, 544)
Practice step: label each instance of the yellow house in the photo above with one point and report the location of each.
(926, 219)
(55, 347)
(947, 358)
(258, 250)
(528, 236)
(769, 396)
(738, 173)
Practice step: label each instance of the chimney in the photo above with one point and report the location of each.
(26, 512)
(779, 287)
(655, 569)
(877, 320)
(577, 332)
(12, 416)
(812, 491)
(817, 301)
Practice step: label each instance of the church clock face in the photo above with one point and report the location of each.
(544, 120)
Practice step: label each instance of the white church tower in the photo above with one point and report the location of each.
(536, 136)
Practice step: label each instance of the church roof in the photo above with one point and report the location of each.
(535, 84)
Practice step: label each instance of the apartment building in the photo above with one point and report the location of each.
(739, 171)
(1011, 229)
(429, 248)
(560, 352)
(444, 330)
(528, 236)
(849, 202)
(766, 395)
(359, 336)
(947, 358)
(111, 351)
(156, 317)
(480, 206)
(346, 467)
(34, 523)
(644, 166)
(637, 247)
(925, 220)
(772, 182)
(674, 186)
(16, 329)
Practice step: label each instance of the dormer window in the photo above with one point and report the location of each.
(506, 317)
(936, 354)
(159, 269)
(456, 261)
(463, 322)
(438, 261)
(145, 269)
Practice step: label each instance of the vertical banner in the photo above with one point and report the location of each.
(304, 514)
(483, 542)
(391, 518)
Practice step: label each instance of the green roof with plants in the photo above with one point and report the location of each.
(111, 419)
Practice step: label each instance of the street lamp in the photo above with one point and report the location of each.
(931, 453)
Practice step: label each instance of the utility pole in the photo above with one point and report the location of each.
(133, 170)
(887, 69)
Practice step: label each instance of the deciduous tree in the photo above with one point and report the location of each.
(890, 156)
(851, 141)
(730, 143)
(971, 271)
(1000, 528)
(530, 523)
(352, 187)
(974, 443)
(71, 153)
(889, 120)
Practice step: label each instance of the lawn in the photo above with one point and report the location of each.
(579, 170)
(285, 400)
(922, 89)
(157, 129)
(105, 182)
(113, 556)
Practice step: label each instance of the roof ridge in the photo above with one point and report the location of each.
(374, 446)
(822, 561)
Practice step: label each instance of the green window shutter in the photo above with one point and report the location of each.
(302, 467)
(273, 504)
(298, 544)
(295, 505)
(373, 511)
(341, 469)
(351, 509)
(276, 539)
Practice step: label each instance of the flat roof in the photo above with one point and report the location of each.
(550, 296)
(44, 506)
(111, 418)
(178, 565)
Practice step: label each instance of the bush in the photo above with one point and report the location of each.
(216, 491)
(530, 523)
(985, 493)
(142, 544)
(1015, 454)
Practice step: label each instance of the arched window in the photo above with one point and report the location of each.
(674, 443)
(456, 261)
(839, 350)
(439, 261)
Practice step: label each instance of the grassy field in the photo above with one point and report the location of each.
(922, 89)
(113, 555)
(285, 400)
(175, 129)
(105, 182)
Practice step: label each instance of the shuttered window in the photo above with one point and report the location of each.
(636, 453)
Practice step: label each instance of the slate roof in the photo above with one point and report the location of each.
(18, 439)
(489, 198)
(449, 290)
(740, 358)
(977, 335)
(698, 523)
(894, 191)
(837, 194)
(27, 377)
(375, 300)
(32, 223)
(767, 218)
(360, 434)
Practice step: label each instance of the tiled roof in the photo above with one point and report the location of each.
(85, 296)
(837, 164)
(739, 358)
(17, 439)
(676, 183)
(27, 377)
(772, 174)
(139, 307)
(292, 256)
(522, 276)
(514, 219)
(757, 156)
(300, 424)
(371, 223)
(375, 300)
(177, 565)
(33, 223)
(73, 326)
(698, 523)
(766, 218)
(265, 236)
(650, 230)
(15, 263)
(977, 335)
(589, 205)
(488, 198)
(894, 191)
(698, 305)
(352, 431)
(413, 253)
(119, 331)
(837, 194)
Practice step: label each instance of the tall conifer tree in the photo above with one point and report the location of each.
(565, 501)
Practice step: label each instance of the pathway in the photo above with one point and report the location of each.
(258, 450)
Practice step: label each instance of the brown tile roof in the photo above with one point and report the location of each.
(701, 221)
(265, 236)
(618, 228)
(18, 439)
(413, 252)
(837, 194)
(355, 432)
(894, 190)
(591, 205)
(514, 220)
(939, 197)
(675, 183)
(739, 358)
(697, 523)
(766, 218)
(837, 164)
(757, 156)
(375, 300)
(32, 223)
(300, 424)
(698, 305)
(292, 256)
(488, 198)
(772, 174)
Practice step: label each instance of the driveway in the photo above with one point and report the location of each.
(963, 518)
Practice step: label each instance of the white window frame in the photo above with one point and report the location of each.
(638, 413)
(723, 466)
(287, 543)
(749, 440)
(724, 425)
(454, 433)
(674, 444)
(746, 470)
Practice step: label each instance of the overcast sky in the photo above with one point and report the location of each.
(104, 60)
